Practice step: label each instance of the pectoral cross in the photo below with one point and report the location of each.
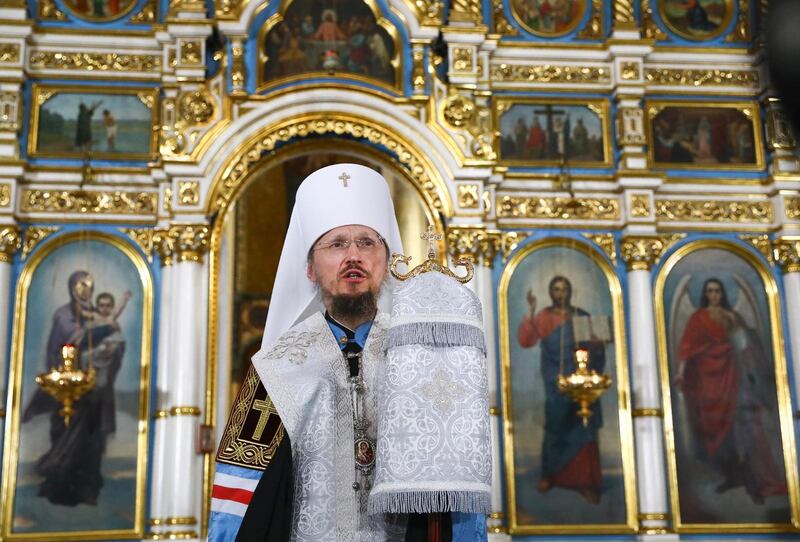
(344, 177)
(265, 407)
(431, 237)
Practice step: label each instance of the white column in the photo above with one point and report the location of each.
(788, 252)
(9, 244)
(651, 475)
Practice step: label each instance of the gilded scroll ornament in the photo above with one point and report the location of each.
(501, 24)
(547, 73)
(181, 243)
(49, 10)
(606, 242)
(9, 53)
(148, 14)
(558, 208)
(418, 77)
(188, 192)
(791, 207)
(238, 70)
(5, 194)
(787, 254)
(458, 110)
(430, 11)
(85, 201)
(229, 9)
(469, 196)
(629, 71)
(761, 243)
(649, 27)
(480, 245)
(640, 205)
(594, 29)
(195, 107)
(714, 211)
(10, 242)
(466, 11)
(624, 15)
(641, 253)
(701, 78)
(741, 32)
(101, 62)
(143, 237)
(33, 236)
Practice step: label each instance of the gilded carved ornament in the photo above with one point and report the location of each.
(631, 126)
(191, 53)
(780, 134)
(101, 62)
(547, 73)
(466, 11)
(640, 206)
(188, 192)
(760, 211)
(148, 14)
(594, 29)
(641, 253)
(193, 6)
(462, 59)
(229, 9)
(182, 243)
(33, 236)
(629, 71)
(143, 237)
(558, 208)
(791, 207)
(741, 32)
(701, 78)
(469, 196)
(418, 76)
(89, 201)
(606, 242)
(787, 254)
(10, 242)
(499, 20)
(479, 245)
(238, 70)
(624, 15)
(9, 110)
(649, 27)
(761, 243)
(49, 10)
(195, 107)
(5, 194)
(430, 11)
(462, 112)
(9, 53)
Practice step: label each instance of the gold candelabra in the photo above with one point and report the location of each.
(66, 383)
(584, 386)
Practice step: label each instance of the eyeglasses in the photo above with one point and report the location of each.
(340, 246)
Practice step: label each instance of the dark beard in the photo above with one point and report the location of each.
(348, 306)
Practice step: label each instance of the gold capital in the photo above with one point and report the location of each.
(186, 242)
(641, 253)
(10, 242)
(477, 244)
(787, 254)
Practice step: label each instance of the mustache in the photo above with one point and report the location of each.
(354, 267)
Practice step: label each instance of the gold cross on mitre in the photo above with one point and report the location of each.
(431, 236)
(344, 177)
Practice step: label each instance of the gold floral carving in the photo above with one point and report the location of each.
(85, 201)
(640, 205)
(701, 78)
(466, 11)
(791, 207)
(195, 107)
(188, 192)
(148, 14)
(714, 211)
(649, 27)
(741, 32)
(787, 254)
(33, 236)
(624, 15)
(418, 74)
(629, 71)
(167, 206)
(558, 207)
(458, 109)
(606, 242)
(462, 59)
(10, 242)
(501, 24)
(181, 242)
(238, 70)
(594, 28)
(479, 245)
(194, 6)
(190, 53)
(430, 11)
(761, 243)
(101, 62)
(143, 237)
(468, 196)
(9, 53)
(49, 10)
(229, 9)
(641, 253)
(330, 123)
(5, 194)
(546, 73)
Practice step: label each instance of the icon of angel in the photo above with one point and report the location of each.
(726, 383)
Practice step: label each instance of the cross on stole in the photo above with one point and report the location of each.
(344, 177)
(431, 237)
(265, 407)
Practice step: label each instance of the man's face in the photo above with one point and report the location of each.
(559, 292)
(347, 272)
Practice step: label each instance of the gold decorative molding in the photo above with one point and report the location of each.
(761, 243)
(191, 53)
(752, 211)
(5, 194)
(10, 243)
(787, 254)
(35, 235)
(631, 126)
(9, 53)
(9, 110)
(701, 78)
(159, 414)
(654, 516)
(647, 413)
(238, 69)
(429, 11)
(640, 206)
(100, 62)
(229, 9)
(185, 520)
(466, 11)
(469, 196)
(148, 14)
(192, 6)
(547, 73)
(641, 253)
(558, 207)
(195, 107)
(606, 242)
(780, 133)
(143, 237)
(594, 29)
(629, 71)
(458, 110)
(499, 20)
(185, 411)
(741, 32)
(649, 27)
(188, 192)
(624, 15)
(167, 205)
(181, 242)
(172, 535)
(479, 245)
(462, 59)
(791, 207)
(418, 76)
(494, 411)
(326, 123)
(89, 201)
(49, 10)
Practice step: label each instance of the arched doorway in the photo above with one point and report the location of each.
(248, 238)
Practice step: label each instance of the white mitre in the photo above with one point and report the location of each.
(330, 197)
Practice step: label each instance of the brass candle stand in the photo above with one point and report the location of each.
(584, 386)
(66, 383)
